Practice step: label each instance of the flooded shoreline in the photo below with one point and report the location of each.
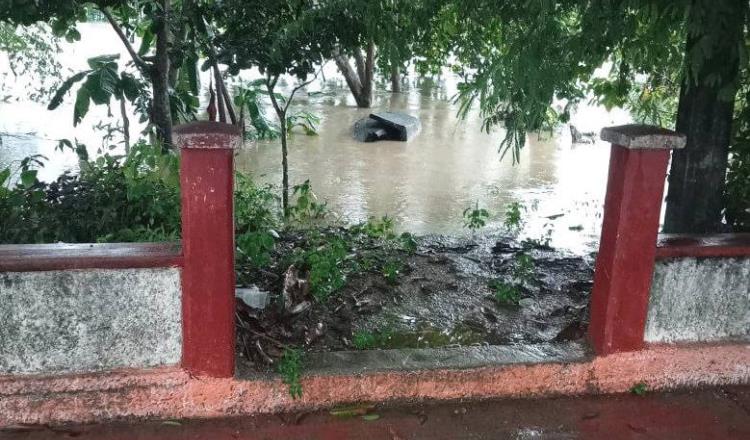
(424, 185)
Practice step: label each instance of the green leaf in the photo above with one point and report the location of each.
(28, 178)
(62, 144)
(146, 40)
(64, 87)
(81, 106)
(130, 86)
(101, 61)
(4, 176)
(102, 83)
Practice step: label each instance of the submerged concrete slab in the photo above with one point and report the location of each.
(386, 126)
(76, 321)
(699, 300)
(406, 126)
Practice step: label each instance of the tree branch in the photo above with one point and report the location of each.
(301, 86)
(142, 65)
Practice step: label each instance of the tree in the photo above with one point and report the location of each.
(271, 36)
(30, 51)
(152, 20)
(697, 176)
(102, 82)
(373, 33)
(525, 54)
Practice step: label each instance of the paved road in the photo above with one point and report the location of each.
(722, 413)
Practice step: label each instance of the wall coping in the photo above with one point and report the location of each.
(702, 246)
(68, 256)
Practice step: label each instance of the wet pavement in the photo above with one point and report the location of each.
(721, 413)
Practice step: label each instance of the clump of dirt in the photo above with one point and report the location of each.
(442, 293)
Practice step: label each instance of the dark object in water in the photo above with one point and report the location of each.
(386, 126)
(581, 137)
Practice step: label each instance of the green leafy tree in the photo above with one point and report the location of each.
(279, 46)
(31, 52)
(163, 27)
(101, 82)
(518, 56)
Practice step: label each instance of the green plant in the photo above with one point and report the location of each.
(513, 216)
(326, 268)
(392, 269)
(306, 120)
(475, 218)
(505, 293)
(382, 228)
(290, 369)
(248, 98)
(254, 247)
(364, 340)
(639, 389)
(113, 198)
(524, 268)
(408, 242)
(306, 208)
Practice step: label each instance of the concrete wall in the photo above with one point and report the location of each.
(699, 299)
(65, 321)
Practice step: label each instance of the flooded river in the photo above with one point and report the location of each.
(424, 184)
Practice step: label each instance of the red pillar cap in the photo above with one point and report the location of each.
(208, 135)
(643, 137)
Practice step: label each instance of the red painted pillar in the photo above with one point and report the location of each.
(206, 184)
(625, 263)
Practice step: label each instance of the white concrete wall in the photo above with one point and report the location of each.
(89, 320)
(699, 300)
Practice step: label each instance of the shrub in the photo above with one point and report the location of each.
(113, 198)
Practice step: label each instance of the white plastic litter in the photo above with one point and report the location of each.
(253, 297)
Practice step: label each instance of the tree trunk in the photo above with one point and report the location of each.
(697, 176)
(281, 115)
(360, 81)
(284, 167)
(161, 115)
(219, 94)
(125, 125)
(395, 79)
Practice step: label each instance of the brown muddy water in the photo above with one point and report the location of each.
(426, 184)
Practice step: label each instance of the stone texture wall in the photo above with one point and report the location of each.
(699, 300)
(89, 320)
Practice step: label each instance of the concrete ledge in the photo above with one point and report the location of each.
(420, 359)
(173, 394)
(643, 137)
(716, 245)
(64, 256)
(370, 361)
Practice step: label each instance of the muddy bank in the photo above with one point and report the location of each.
(443, 292)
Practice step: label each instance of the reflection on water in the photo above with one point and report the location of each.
(424, 184)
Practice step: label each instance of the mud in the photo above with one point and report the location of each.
(442, 298)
